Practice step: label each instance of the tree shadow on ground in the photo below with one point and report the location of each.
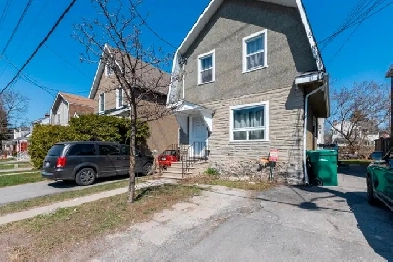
(375, 223)
(357, 171)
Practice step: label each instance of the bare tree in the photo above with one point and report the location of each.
(13, 106)
(359, 111)
(136, 67)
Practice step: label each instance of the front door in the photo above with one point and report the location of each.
(199, 136)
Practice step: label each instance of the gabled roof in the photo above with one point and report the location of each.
(73, 99)
(78, 100)
(215, 4)
(147, 69)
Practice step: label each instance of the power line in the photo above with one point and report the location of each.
(29, 80)
(32, 25)
(17, 26)
(40, 44)
(345, 42)
(3, 15)
(365, 13)
(65, 60)
(151, 29)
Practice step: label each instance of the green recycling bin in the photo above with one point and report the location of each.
(324, 166)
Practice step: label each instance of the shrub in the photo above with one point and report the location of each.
(83, 128)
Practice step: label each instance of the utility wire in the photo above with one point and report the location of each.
(345, 42)
(26, 34)
(29, 80)
(365, 14)
(65, 60)
(17, 26)
(3, 15)
(40, 44)
(151, 29)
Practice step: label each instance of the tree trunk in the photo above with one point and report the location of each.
(133, 116)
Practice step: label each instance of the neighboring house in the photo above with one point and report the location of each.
(244, 76)
(18, 143)
(66, 106)
(42, 121)
(339, 128)
(164, 132)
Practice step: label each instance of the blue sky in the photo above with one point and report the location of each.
(366, 56)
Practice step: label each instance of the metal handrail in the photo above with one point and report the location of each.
(195, 152)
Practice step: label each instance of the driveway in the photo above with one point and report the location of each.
(283, 224)
(32, 190)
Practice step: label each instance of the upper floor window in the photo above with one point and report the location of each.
(101, 103)
(206, 68)
(119, 97)
(108, 70)
(58, 118)
(254, 51)
(249, 122)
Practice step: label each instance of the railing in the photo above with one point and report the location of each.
(189, 154)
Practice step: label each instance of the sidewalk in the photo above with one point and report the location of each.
(15, 170)
(17, 173)
(76, 202)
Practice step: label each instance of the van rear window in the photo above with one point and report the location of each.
(56, 150)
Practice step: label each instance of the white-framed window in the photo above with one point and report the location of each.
(108, 70)
(119, 97)
(101, 103)
(206, 68)
(249, 122)
(255, 51)
(58, 118)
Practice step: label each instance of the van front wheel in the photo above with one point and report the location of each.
(85, 177)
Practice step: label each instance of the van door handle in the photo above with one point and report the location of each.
(118, 158)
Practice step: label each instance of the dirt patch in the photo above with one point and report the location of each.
(67, 228)
(244, 185)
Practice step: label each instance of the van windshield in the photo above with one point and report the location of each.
(56, 150)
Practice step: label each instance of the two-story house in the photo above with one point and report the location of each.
(109, 99)
(249, 79)
(65, 106)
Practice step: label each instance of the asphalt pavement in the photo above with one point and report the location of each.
(32, 190)
(283, 224)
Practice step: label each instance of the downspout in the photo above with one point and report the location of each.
(306, 180)
(183, 76)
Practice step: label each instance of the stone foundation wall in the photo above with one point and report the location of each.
(256, 171)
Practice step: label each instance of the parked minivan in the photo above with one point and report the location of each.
(84, 161)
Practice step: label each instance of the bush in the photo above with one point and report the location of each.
(84, 128)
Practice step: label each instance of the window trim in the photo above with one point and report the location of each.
(267, 119)
(118, 106)
(244, 55)
(201, 56)
(99, 103)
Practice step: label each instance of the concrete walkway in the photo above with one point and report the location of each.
(75, 202)
(15, 170)
(18, 173)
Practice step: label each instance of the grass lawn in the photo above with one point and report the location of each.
(4, 166)
(50, 199)
(13, 180)
(355, 161)
(39, 237)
